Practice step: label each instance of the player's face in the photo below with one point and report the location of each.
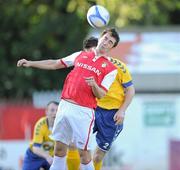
(51, 110)
(106, 42)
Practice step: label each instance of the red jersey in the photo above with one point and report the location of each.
(86, 64)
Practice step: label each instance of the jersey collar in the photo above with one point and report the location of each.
(99, 56)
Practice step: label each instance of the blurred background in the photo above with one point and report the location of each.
(150, 46)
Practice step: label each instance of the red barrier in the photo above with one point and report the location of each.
(17, 121)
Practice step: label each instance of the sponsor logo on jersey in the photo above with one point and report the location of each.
(89, 67)
(104, 65)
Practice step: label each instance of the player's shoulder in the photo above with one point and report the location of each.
(73, 55)
(121, 66)
(108, 64)
(117, 62)
(84, 55)
(41, 122)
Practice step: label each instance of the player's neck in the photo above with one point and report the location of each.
(100, 52)
(50, 122)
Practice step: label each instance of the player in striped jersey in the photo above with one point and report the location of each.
(110, 111)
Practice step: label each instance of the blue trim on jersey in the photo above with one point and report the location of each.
(125, 85)
(37, 144)
(34, 162)
(105, 128)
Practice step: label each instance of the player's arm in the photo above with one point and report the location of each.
(38, 151)
(43, 64)
(38, 138)
(100, 91)
(97, 91)
(49, 64)
(129, 94)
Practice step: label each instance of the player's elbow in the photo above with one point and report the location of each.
(101, 94)
(54, 65)
(58, 66)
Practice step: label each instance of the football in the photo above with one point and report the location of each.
(98, 16)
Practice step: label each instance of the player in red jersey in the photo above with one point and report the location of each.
(90, 78)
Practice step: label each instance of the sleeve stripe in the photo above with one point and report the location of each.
(63, 63)
(37, 144)
(104, 88)
(125, 85)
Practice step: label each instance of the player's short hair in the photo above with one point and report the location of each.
(54, 102)
(89, 43)
(113, 33)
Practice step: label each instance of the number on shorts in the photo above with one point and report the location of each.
(106, 145)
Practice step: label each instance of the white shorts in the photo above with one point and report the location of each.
(74, 123)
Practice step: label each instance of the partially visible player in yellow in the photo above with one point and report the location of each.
(109, 115)
(73, 158)
(40, 153)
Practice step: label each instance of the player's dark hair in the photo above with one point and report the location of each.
(113, 33)
(54, 102)
(89, 43)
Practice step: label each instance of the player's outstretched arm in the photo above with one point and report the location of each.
(43, 64)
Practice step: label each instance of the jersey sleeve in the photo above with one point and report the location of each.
(69, 60)
(38, 133)
(108, 80)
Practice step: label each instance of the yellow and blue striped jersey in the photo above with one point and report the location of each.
(115, 96)
(41, 136)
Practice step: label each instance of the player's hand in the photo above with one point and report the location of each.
(49, 160)
(90, 81)
(119, 117)
(24, 63)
